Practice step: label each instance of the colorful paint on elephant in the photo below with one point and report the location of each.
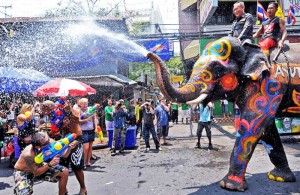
(239, 73)
(229, 82)
(261, 106)
(220, 51)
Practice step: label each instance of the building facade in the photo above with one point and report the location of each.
(219, 23)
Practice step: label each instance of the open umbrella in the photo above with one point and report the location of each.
(64, 87)
(20, 80)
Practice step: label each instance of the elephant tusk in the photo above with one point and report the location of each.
(197, 100)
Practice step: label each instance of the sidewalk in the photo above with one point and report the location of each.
(178, 131)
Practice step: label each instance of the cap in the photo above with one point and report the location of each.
(140, 99)
(121, 100)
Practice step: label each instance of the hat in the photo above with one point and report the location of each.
(121, 100)
(140, 99)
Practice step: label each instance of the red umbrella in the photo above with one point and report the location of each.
(64, 87)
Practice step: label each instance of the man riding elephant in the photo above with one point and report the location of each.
(226, 70)
(273, 29)
(242, 26)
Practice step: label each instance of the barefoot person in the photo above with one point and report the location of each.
(26, 170)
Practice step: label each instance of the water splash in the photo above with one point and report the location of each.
(64, 49)
(90, 28)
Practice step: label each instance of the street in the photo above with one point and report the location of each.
(178, 169)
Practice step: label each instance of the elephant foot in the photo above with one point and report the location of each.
(234, 183)
(282, 175)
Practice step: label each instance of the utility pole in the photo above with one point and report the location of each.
(5, 7)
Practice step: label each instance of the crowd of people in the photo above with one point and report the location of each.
(40, 123)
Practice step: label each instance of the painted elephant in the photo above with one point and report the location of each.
(227, 70)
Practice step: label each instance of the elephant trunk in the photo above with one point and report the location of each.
(186, 93)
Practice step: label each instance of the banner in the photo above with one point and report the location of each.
(160, 47)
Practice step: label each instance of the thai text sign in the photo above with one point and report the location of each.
(207, 8)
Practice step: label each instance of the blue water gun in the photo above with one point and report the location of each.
(55, 148)
(58, 115)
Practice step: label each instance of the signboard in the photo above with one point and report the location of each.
(171, 48)
(207, 8)
(296, 8)
(288, 125)
(160, 47)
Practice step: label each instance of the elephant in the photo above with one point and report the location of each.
(241, 74)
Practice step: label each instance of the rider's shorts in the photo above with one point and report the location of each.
(266, 44)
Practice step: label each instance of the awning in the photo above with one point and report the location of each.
(112, 80)
(187, 3)
(192, 50)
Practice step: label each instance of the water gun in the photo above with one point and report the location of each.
(55, 148)
(90, 111)
(100, 134)
(58, 115)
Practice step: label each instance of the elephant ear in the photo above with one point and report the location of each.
(255, 63)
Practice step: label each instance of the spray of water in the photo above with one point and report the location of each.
(90, 28)
(59, 49)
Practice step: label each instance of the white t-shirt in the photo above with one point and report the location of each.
(225, 101)
(75, 107)
(11, 116)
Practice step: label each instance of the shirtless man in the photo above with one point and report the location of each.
(71, 125)
(26, 169)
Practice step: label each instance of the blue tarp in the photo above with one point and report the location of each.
(19, 80)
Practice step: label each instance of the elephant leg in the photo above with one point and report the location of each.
(239, 159)
(274, 147)
(245, 143)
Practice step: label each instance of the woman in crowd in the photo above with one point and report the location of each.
(109, 120)
(88, 125)
(25, 125)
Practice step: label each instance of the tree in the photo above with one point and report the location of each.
(82, 8)
(139, 27)
(175, 66)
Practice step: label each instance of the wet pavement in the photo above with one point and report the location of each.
(178, 169)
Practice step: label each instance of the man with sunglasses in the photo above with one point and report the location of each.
(26, 170)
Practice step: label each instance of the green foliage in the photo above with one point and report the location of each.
(139, 27)
(175, 66)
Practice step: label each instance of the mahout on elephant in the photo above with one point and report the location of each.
(240, 74)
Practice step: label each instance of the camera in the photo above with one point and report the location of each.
(150, 101)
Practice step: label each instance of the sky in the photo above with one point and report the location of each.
(35, 8)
